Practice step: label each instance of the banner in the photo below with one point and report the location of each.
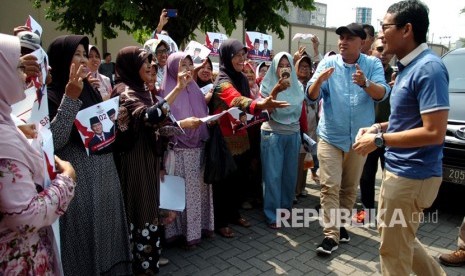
(96, 125)
(197, 51)
(213, 42)
(259, 46)
(35, 27)
(34, 110)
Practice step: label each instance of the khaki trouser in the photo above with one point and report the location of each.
(340, 174)
(401, 202)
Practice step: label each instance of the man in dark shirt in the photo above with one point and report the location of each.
(107, 68)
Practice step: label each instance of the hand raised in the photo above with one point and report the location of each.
(74, 87)
(298, 55)
(324, 76)
(184, 76)
(31, 66)
(269, 103)
(358, 77)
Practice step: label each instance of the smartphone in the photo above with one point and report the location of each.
(285, 73)
(172, 13)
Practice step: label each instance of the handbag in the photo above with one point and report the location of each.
(219, 162)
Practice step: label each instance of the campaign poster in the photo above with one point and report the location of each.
(96, 125)
(213, 42)
(35, 27)
(259, 46)
(197, 51)
(34, 110)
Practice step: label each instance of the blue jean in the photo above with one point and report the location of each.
(280, 156)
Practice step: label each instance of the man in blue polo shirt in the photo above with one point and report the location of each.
(413, 137)
(348, 83)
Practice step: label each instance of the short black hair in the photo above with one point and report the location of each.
(369, 29)
(105, 55)
(414, 12)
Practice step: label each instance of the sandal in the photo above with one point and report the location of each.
(226, 232)
(273, 226)
(243, 222)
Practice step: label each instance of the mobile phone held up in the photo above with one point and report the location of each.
(285, 73)
(172, 13)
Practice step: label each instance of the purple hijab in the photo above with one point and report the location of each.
(190, 102)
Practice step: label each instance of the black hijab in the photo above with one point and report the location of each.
(227, 73)
(202, 83)
(60, 54)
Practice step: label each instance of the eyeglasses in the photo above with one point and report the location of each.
(379, 49)
(384, 27)
(161, 51)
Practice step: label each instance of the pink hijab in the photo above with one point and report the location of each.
(254, 89)
(13, 143)
(189, 102)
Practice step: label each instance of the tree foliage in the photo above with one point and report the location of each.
(141, 17)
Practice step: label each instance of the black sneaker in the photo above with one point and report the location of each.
(343, 235)
(327, 246)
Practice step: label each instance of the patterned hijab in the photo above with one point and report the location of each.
(189, 102)
(227, 73)
(13, 143)
(293, 95)
(254, 89)
(128, 63)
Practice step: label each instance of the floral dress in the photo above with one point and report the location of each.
(27, 244)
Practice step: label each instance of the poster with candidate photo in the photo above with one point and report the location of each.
(259, 46)
(213, 42)
(197, 51)
(96, 125)
(34, 110)
(241, 120)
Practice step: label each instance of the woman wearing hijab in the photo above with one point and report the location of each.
(260, 72)
(101, 82)
(231, 89)
(141, 121)
(27, 208)
(253, 193)
(94, 233)
(203, 76)
(197, 218)
(160, 51)
(280, 142)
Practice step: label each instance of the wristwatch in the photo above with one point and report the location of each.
(379, 140)
(165, 107)
(367, 83)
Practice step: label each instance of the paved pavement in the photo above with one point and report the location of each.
(259, 250)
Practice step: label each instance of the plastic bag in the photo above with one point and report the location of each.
(219, 162)
(308, 161)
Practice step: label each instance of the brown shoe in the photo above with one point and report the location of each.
(456, 258)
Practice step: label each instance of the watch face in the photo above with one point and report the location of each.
(379, 141)
(165, 107)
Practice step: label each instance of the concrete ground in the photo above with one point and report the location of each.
(259, 250)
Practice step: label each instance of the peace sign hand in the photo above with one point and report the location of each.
(74, 87)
